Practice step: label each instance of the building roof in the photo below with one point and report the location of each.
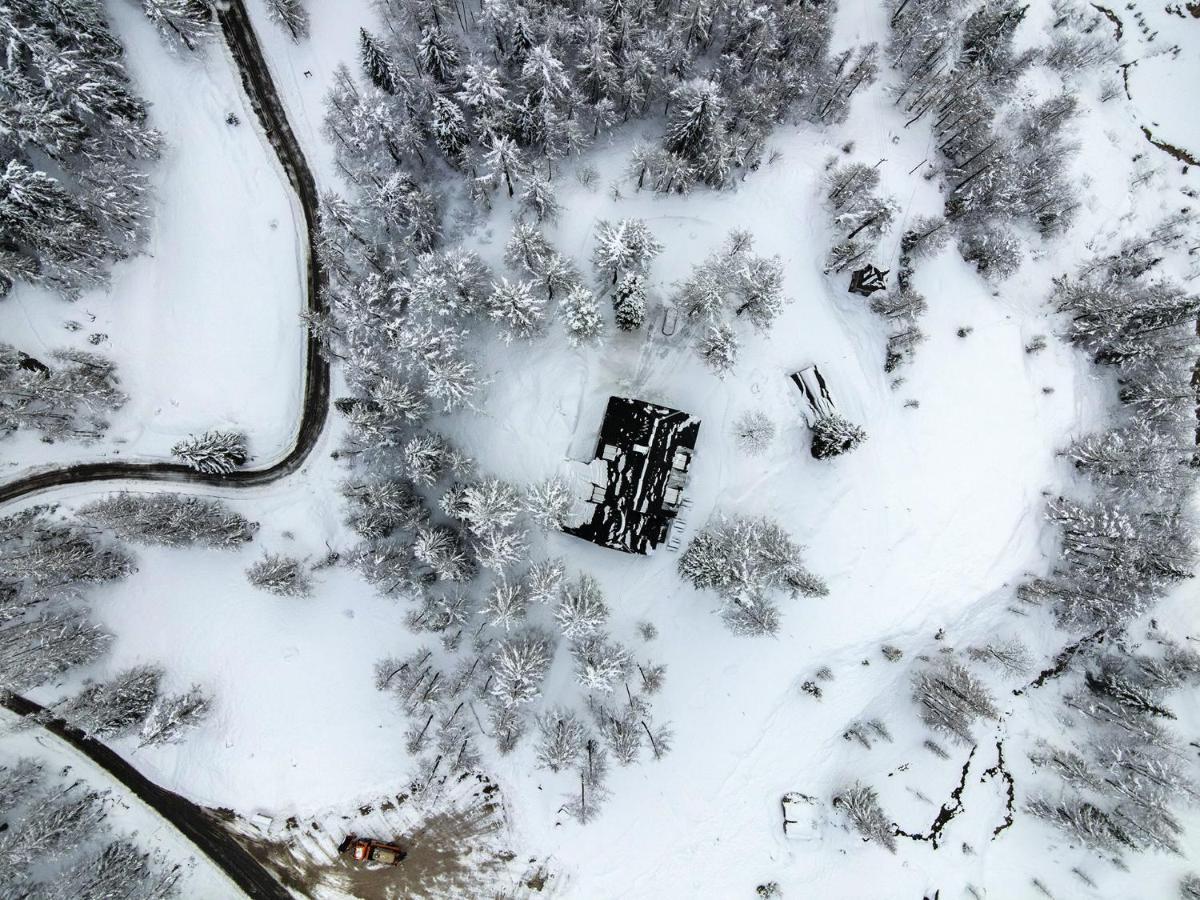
(646, 450)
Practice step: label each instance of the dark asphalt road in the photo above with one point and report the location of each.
(193, 821)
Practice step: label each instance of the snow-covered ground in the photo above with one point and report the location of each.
(927, 526)
(205, 325)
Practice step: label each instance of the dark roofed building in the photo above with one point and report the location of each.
(645, 453)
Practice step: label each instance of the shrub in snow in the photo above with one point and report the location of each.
(282, 575)
(952, 699)
(1189, 887)
(754, 431)
(169, 520)
(833, 435)
(1037, 345)
(744, 560)
(860, 804)
(214, 452)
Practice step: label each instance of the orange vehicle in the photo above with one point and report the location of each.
(367, 850)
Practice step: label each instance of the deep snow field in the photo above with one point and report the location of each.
(927, 527)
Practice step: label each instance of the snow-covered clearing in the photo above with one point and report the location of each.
(205, 326)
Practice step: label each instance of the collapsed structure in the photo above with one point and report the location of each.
(635, 483)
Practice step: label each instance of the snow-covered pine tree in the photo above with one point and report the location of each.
(625, 246)
(169, 520)
(289, 14)
(629, 302)
(582, 611)
(860, 804)
(61, 401)
(519, 666)
(544, 579)
(744, 560)
(718, 347)
(516, 309)
(561, 738)
(507, 604)
(538, 199)
(173, 715)
(114, 707)
(580, 314)
(600, 663)
(697, 129)
(833, 435)
(32, 651)
(378, 64)
(549, 502)
(214, 452)
(952, 699)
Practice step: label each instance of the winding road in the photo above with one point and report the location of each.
(193, 821)
(264, 100)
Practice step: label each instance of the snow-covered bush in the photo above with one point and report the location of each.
(282, 575)
(214, 452)
(833, 435)
(754, 431)
(561, 738)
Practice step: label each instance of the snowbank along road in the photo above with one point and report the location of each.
(264, 99)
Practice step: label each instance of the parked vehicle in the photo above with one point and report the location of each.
(366, 850)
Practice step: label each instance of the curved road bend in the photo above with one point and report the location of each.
(193, 821)
(264, 100)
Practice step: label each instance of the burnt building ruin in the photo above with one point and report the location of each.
(636, 482)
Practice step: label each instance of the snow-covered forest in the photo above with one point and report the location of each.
(921, 621)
